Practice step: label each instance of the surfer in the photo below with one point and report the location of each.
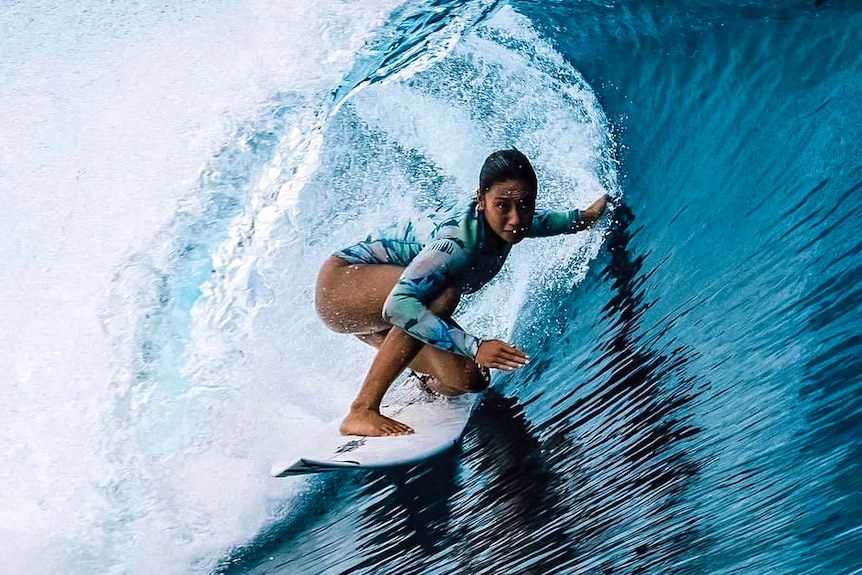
(398, 289)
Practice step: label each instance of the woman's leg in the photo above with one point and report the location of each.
(364, 417)
(349, 299)
(453, 374)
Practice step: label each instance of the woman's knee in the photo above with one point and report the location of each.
(444, 305)
(478, 379)
(473, 379)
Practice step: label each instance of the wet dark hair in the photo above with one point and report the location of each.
(505, 165)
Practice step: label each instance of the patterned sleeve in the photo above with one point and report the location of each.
(437, 266)
(554, 223)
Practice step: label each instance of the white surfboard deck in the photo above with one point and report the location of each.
(438, 423)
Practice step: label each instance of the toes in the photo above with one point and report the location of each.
(398, 429)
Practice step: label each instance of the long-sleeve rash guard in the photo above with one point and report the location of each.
(438, 250)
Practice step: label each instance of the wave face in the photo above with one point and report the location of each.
(176, 176)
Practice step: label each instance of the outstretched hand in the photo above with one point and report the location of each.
(592, 214)
(500, 355)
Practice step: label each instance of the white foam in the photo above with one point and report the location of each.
(109, 111)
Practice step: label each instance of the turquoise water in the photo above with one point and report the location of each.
(693, 404)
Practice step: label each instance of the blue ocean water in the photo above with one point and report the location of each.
(694, 403)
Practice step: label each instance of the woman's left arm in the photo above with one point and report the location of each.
(555, 223)
(592, 214)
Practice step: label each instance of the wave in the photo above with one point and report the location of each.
(220, 362)
(692, 403)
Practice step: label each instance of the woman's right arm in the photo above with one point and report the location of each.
(434, 269)
(425, 278)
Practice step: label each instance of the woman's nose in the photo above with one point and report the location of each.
(514, 217)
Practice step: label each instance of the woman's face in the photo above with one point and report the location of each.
(508, 207)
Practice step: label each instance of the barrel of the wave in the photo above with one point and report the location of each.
(397, 290)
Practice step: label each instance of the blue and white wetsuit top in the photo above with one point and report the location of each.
(455, 247)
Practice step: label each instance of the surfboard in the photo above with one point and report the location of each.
(438, 423)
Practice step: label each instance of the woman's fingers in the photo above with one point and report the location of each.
(500, 355)
(511, 357)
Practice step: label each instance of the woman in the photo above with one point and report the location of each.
(397, 291)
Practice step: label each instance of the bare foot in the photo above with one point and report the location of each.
(371, 423)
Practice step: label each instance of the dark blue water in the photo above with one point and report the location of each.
(694, 403)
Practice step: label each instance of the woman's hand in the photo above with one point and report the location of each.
(500, 355)
(592, 214)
